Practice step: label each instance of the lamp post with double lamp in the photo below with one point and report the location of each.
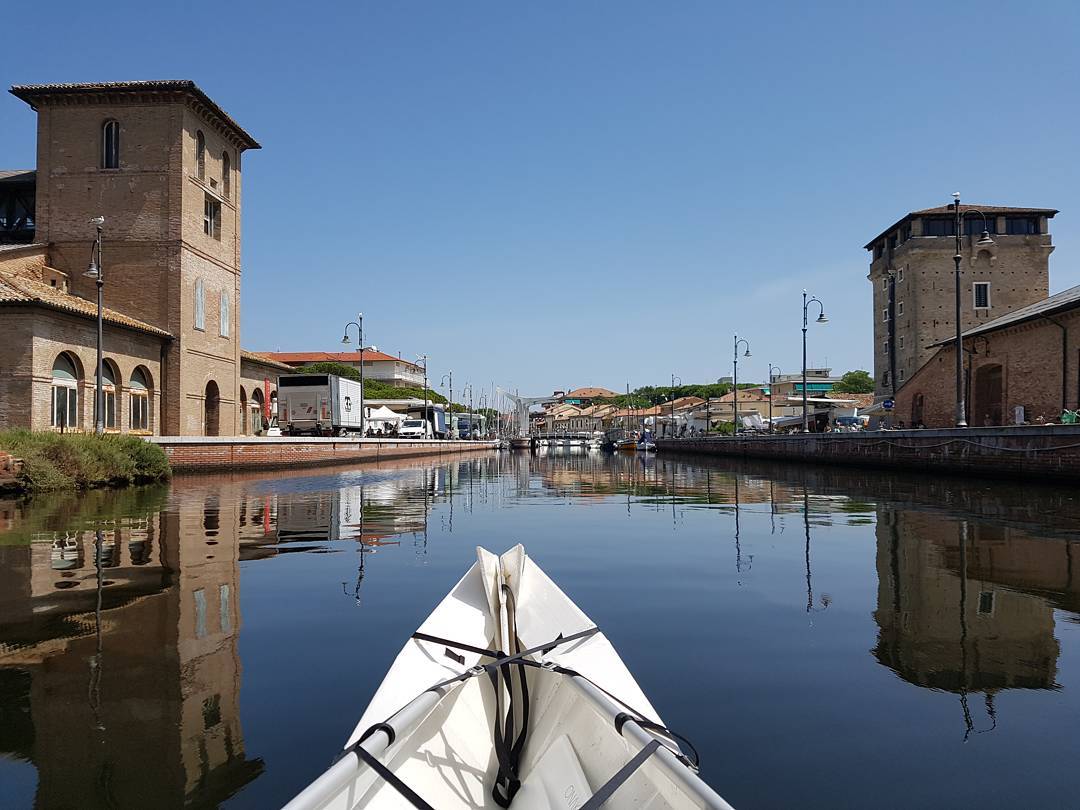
(449, 403)
(97, 272)
(735, 382)
(984, 241)
(359, 324)
(671, 427)
(820, 319)
(778, 372)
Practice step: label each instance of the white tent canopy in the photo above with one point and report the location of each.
(383, 415)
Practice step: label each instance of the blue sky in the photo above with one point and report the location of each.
(558, 194)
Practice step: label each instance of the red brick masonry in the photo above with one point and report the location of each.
(201, 453)
(1048, 452)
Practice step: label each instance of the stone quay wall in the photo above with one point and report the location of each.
(214, 454)
(1036, 451)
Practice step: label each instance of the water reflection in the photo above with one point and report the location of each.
(118, 647)
(120, 612)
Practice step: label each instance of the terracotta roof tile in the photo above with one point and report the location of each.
(303, 358)
(255, 357)
(17, 289)
(30, 92)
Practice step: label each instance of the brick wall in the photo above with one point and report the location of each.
(193, 455)
(1031, 360)
(1046, 452)
(34, 337)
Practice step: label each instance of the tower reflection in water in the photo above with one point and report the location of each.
(967, 607)
(118, 658)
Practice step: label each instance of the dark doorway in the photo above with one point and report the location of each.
(987, 407)
(212, 409)
(918, 403)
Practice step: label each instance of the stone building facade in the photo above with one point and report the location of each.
(1028, 358)
(912, 273)
(161, 162)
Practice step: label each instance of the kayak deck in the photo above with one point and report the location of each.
(559, 722)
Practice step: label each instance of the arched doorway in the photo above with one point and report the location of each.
(211, 409)
(257, 411)
(243, 412)
(987, 408)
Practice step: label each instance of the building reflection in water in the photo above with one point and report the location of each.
(119, 669)
(118, 643)
(962, 607)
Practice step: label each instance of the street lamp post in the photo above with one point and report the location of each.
(449, 402)
(97, 272)
(820, 319)
(424, 358)
(778, 372)
(671, 427)
(735, 382)
(469, 386)
(984, 241)
(359, 324)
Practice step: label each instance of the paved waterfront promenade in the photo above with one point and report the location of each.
(1047, 451)
(206, 453)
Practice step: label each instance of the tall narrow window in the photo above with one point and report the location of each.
(200, 305)
(212, 217)
(223, 312)
(982, 294)
(139, 401)
(108, 394)
(65, 394)
(110, 145)
(900, 308)
(226, 174)
(200, 155)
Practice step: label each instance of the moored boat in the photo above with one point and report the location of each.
(509, 696)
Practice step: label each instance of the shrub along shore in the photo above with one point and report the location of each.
(58, 461)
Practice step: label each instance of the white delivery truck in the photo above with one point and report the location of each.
(318, 405)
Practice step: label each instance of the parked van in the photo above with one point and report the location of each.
(414, 429)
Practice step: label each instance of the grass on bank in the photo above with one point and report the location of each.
(56, 461)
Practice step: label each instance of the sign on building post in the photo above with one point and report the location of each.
(266, 400)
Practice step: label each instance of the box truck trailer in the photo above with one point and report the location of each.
(318, 405)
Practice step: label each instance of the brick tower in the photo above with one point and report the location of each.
(161, 162)
(911, 268)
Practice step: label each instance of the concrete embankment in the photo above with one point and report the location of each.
(216, 453)
(1047, 451)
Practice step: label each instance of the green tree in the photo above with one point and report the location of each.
(373, 389)
(340, 369)
(855, 382)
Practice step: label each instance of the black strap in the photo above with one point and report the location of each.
(394, 782)
(624, 773)
(455, 644)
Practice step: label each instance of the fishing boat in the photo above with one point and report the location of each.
(646, 446)
(509, 696)
(628, 445)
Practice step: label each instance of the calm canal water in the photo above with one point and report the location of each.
(827, 638)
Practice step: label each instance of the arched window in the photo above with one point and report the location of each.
(65, 393)
(110, 145)
(139, 399)
(200, 155)
(108, 393)
(200, 305)
(224, 321)
(226, 173)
